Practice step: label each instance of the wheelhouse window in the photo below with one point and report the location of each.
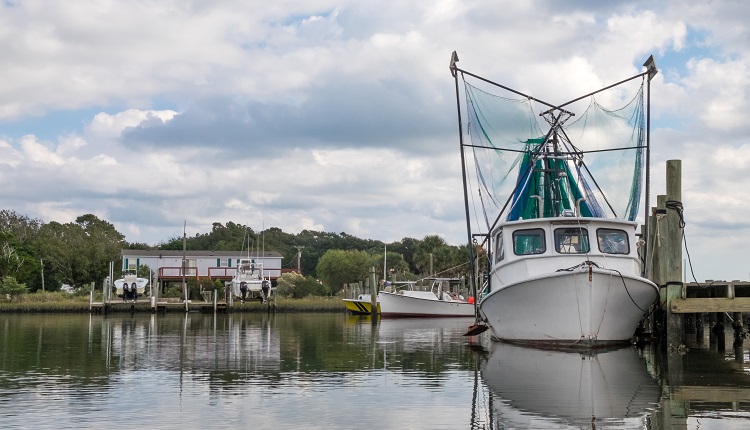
(499, 250)
(612, 241)
(572, 240)
(527, 242)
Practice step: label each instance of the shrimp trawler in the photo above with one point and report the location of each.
(561, 263)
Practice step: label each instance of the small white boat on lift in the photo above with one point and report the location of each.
(442, 299)
(130, 286)
(250, 281)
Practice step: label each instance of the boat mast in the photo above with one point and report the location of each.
(469, 243)
(650, 66)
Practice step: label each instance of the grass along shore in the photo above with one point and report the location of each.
(61, 302)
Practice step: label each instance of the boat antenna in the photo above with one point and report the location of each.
(385, 258)
(184, 263)
(263, 250)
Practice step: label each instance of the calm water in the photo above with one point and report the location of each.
(339, 372)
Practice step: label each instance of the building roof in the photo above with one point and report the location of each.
(175, 253)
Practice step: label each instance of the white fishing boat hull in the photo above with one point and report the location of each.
(580, 307)
(420, 304)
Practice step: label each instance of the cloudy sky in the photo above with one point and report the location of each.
(339, 115)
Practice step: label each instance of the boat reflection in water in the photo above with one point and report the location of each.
(535, 388)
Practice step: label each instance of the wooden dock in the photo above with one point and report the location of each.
(161, 306)
(712, 296)
(682, 305)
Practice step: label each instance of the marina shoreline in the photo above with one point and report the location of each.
(80, 304)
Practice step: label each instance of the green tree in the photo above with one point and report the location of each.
(78, 253)
(9, 286)
(23, 228)
(309, 287)
(16, 259)
(336, 268)
(287, 282)
(297, 286)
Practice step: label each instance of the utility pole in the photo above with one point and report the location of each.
(184, 263)
(299, 259)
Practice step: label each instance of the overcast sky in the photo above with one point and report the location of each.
(340, 116)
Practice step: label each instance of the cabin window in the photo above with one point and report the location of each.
(499, 253)
(526, 242)
(572, 240)
(613, 241)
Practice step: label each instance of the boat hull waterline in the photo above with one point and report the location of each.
(586, 308)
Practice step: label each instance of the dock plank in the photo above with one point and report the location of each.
(701, 305)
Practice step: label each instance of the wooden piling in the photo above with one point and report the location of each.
(660, 244)
(373, 295)
(673, 251)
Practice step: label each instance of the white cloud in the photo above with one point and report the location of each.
(104, 126)
(340, 116)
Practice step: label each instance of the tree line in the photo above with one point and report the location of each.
(47, 255)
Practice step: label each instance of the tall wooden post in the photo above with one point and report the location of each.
(373, 295)
(673, 266)
(660, 244)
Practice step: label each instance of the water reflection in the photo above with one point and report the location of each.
(536, 388)
(335, 371)
(192, 342)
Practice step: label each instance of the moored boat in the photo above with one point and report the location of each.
(442, 299)
(564, 288)
(561, 260)
(130, 286)
(250, 281)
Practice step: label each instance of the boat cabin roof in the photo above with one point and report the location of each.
(566, 221)
(563, 236)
